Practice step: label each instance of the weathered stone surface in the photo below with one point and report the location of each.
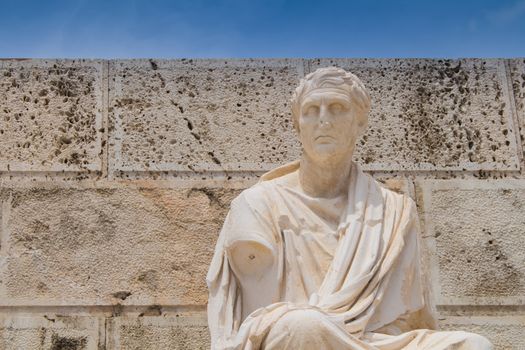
(39, 333)
(474, 233)
(187, 115)
(148, 244)
(506, 333)
(159, 333)
(517, 76)
(136, 246)
(51, 115)
(434, 114)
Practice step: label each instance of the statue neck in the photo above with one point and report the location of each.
(327, 179)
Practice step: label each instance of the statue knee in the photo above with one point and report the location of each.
(304, 323)
(477, 342)
(469, 341)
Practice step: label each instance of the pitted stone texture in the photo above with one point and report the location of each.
(159, 333)
(517, 75)
(505, 333)
(134, 246)
(50, 115)
(477, 227)
(196, 115)
(434, 114)
(39, 333)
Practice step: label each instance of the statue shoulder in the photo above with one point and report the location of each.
(256, 195)
(395, 193)
(259, 196)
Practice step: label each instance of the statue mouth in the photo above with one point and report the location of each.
(324, 137)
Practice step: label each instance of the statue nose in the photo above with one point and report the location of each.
(324, 116)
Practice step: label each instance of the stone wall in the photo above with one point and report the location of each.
(115, 177)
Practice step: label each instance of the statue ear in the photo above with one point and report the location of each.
(295, 120)
(363, 124)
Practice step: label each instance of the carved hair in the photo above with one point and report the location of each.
(332, 77)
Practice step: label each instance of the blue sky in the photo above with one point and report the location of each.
(257, 28)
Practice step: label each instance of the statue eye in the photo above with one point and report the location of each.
(336, 108)
(312, 110)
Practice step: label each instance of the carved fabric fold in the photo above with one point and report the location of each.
(357, 271)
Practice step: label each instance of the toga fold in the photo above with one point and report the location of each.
(344, 272)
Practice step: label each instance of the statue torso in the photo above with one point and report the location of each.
(289, 260)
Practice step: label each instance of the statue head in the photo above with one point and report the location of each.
(330, 111)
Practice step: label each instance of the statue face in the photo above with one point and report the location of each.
(328, 124)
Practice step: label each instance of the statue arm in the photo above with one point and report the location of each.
(250, 259)
(249, 242)
(242, 259)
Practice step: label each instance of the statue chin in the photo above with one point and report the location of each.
(328, 153)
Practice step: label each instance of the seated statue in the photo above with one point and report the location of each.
(318, 255)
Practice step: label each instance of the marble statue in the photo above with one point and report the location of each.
(318, 255)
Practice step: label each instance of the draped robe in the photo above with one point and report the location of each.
(344, 272)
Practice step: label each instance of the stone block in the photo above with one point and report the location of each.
(428, 114)
(474, 236)
(51, 115)
(506, 333)
(202, 115)
(39, 333)
(159, 333)
(108, 246)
